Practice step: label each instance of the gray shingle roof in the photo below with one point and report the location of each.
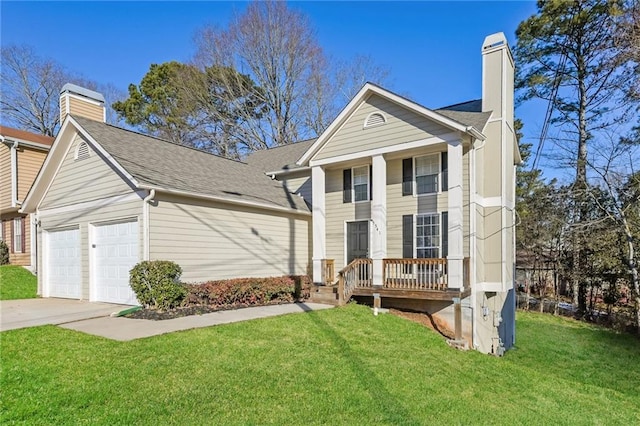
(469, 113)
(279, 158)
(164, 165)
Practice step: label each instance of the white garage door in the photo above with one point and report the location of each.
(63, 277)
(115, 251)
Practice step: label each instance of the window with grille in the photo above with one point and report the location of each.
(361, 183)
(428, 236)
(427, 169)
(18, 235)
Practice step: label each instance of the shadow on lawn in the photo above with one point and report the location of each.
(389, 406)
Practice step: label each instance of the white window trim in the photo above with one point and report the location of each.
(17, 236)
(353, 184)
(439, 174)
(369, 126)
(415, 233)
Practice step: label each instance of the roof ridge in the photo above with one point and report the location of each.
(163, 140)
(460, 103)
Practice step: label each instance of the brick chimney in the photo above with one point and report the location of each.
(76, 100)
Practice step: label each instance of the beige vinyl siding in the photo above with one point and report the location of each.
(493, 255)
(401, 126)
(337, 214)
(491, 181)
(300, 186)
(5, 176)
(63, 108)
(399, 205)
(86, 109)
(83, 180)
(29, 163)
(213, 241)
(82, 219)
(23, 258)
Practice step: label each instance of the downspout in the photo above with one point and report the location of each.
(145, 218)
(473, 212)
(14, 173)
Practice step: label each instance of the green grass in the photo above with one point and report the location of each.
(17, 283)
(341, 366)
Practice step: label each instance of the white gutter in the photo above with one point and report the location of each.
(227, 200)
(145, 219)
(285, 172)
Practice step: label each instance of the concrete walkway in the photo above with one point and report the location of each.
(123, 329)
(95, 318)
(33, 312)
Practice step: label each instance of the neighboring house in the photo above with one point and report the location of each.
(416, 206)
(394, 203)
(21, 155)
(107, 198)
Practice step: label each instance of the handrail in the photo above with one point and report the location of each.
(415, 274)
(328, 270)
(358, 273)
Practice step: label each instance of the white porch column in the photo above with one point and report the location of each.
(378, 217)
(455, 256)
(319, 219)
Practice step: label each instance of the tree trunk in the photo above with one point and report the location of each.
(633, 268)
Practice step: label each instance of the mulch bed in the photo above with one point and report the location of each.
(156, 315)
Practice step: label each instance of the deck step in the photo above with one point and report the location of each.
(324, 294)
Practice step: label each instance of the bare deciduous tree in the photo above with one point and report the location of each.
(276, 47)
(30, 90)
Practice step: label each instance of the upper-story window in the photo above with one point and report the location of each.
(361, 183)
(427, 169)
(374, 119)
(426, 174)
(356, 184)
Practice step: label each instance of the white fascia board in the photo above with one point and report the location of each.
(40, 187)
(286, 172)
(346, 111)
(225, 200)
(366, 91)
(434, 140)
(30, 144)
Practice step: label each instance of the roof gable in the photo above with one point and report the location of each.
(365, 93)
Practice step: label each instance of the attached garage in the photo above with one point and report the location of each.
(115, 252)
(63, 267)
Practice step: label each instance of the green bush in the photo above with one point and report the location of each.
(248, 291)
(156, 284)
(4, 253)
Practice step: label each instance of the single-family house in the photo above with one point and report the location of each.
(21, 155)
(414, 207)
(394, 203)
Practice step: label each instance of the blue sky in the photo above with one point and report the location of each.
(432, 48)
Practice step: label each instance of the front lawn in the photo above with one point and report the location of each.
(340, 366)
(17, 283)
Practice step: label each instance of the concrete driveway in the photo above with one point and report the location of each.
(33, 312)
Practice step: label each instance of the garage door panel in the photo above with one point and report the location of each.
(63, 276)
(116, 252)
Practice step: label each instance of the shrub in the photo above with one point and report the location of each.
(4, 253)
(156, 284)
(248, 291)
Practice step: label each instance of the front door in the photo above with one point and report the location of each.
(357, 240)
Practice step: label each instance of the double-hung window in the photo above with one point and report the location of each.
(18, 237)
(427, 236)
(361, 183)
(427, 169)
